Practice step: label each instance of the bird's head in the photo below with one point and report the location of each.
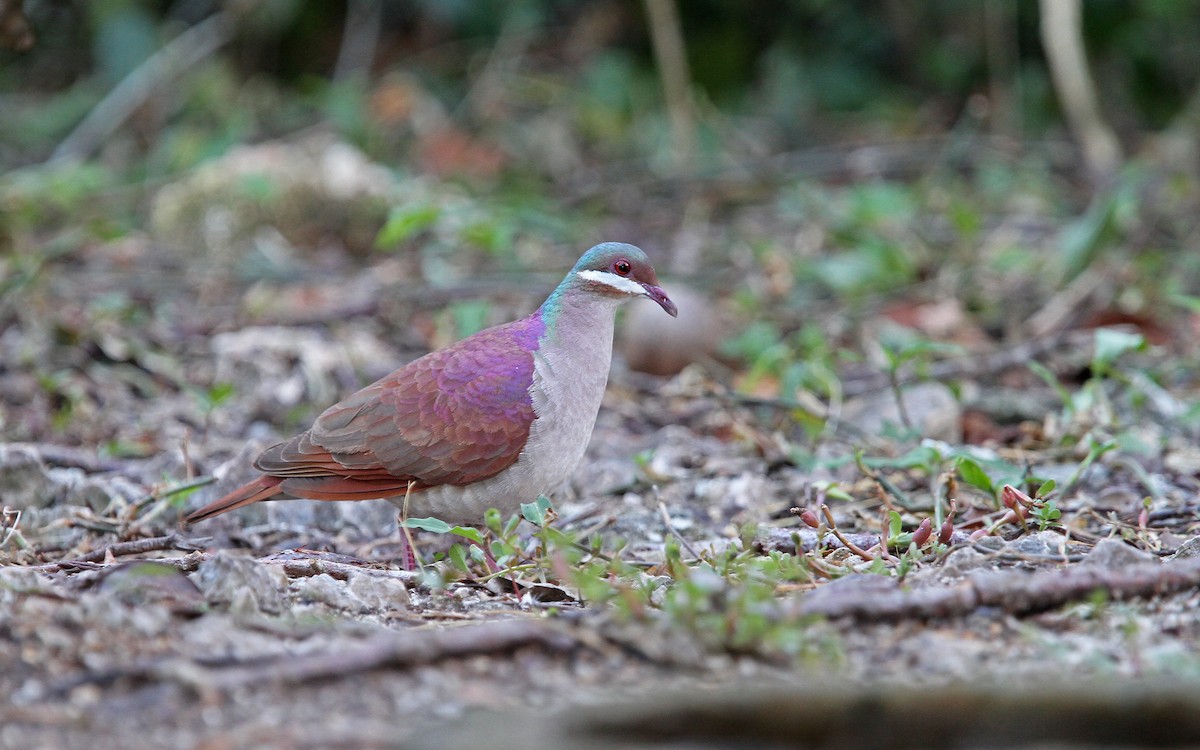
(619, 269)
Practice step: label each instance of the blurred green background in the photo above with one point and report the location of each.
(810, 166)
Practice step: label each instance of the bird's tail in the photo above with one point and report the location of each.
(260, 489)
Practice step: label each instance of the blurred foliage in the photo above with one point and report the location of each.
(849, 152)
(802, 66)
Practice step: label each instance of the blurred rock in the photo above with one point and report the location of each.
(299, 189)
(1041, 544)
(242, 582)
(24, 482)
(147, 581)
(1190, 548)
(21, 580)
(931, 407)
(1113, 553)
(361, 593)
(661, 345)
(1184, 459)
(27, 483)
(282, 367)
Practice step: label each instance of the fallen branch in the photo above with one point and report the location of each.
(306, 567)
(135, 547)
(1011, 591)
(397, 649)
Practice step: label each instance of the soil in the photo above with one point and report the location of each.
(294, 624)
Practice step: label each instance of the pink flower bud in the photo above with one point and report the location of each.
(923, 532)
(946, 532)
(1012, 497)
(809, 518)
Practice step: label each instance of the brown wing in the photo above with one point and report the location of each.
(455, 416)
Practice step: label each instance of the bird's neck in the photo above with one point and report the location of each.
(579, 317)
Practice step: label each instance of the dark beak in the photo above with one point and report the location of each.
(658, 295)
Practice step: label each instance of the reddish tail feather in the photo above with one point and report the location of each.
(260, 489)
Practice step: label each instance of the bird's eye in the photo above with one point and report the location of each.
(622, 267)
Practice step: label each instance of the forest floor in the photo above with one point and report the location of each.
(140, 375)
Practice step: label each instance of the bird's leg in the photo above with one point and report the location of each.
(411, 559)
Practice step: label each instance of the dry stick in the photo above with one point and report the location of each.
(135, 547)
(305, 568)
(404, 648)
(412, 545)
(833, 529)
(881, 481)
(1014, 592)
(898, 396)
(9, 528)
(359, 39)
(662, 508)
(179, 55)
(670, 54)
(1062, 40)
(512, 42)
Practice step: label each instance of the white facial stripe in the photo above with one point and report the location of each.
(620, 283)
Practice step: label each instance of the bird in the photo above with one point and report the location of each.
(491, 421)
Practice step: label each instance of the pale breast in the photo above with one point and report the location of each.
(568, 386)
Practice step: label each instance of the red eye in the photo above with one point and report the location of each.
(622, 267)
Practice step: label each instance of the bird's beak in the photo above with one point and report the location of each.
(657, 294)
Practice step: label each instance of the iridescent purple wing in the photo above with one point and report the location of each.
(454, 416)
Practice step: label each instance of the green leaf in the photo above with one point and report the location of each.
(492, 520)
(534, 512)
(1046, 488)
(1080, 241)
(404, 223)
(436, 525)
(468, 532)
(920, 457)
(1112, 343)
(973, 474)
(458, 558)
(1051, 380)
(1186, 301)
(895, 525)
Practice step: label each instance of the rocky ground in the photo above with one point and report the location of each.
(139, 377)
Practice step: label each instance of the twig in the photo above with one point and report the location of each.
(135, 547)
(1062, 40)
(833, 529)
(304, 568)
(666, 516)
(363, 21)
(1014, 592)
(407, 532)
(670, 53)
(177, 56)
(882, 481)
(898, 396)
(162, 499)
(400, 649)
(9, 528)
(512, 41)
